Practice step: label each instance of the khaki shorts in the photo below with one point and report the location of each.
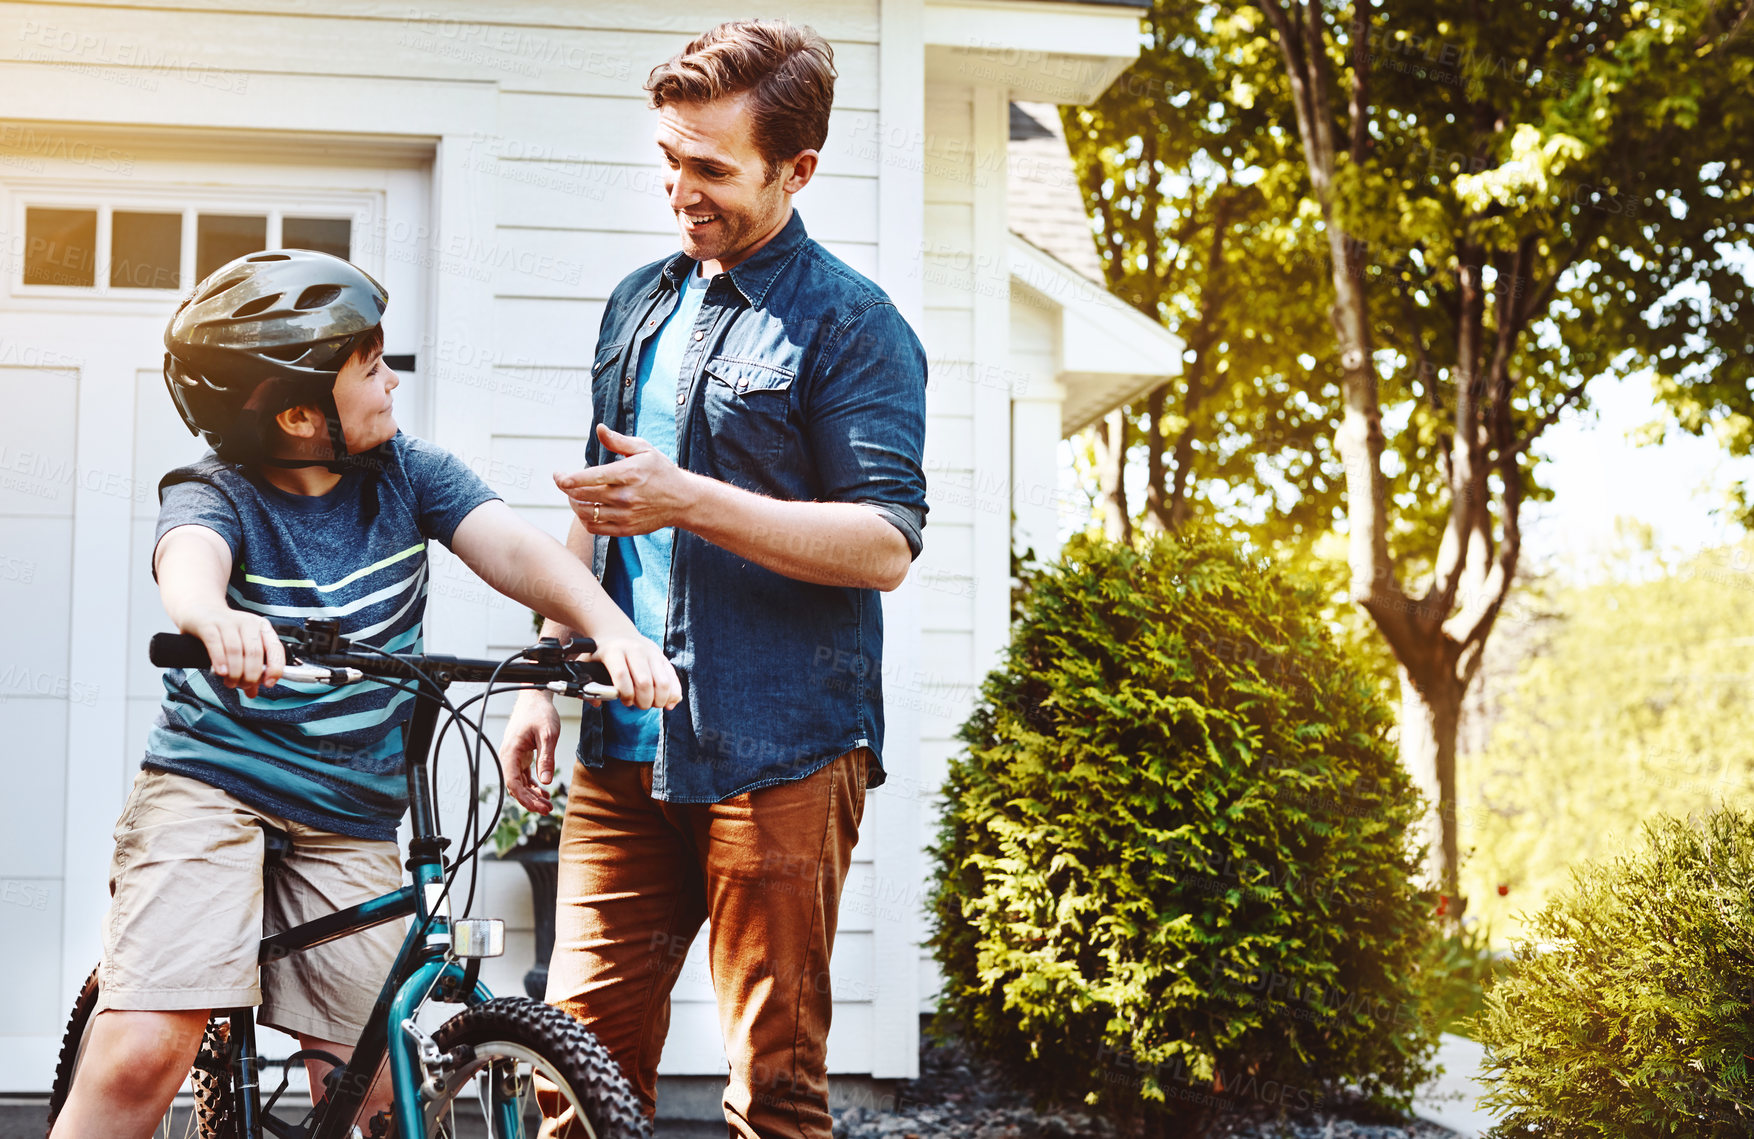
(187, 909)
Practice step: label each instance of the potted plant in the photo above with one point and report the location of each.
(534, 841)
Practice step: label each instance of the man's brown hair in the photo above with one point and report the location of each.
(788, 71)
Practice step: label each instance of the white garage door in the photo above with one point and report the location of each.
(99, 247)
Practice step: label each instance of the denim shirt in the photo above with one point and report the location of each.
(801, 381)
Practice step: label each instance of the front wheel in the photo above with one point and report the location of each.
(509, 1049)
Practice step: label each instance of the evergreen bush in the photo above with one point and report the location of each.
(1174, 874)
(1630, 1011)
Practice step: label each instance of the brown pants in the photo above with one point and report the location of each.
(765, 869)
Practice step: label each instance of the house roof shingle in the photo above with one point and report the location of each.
(1044, 205)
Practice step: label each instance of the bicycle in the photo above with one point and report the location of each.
(502, 1044)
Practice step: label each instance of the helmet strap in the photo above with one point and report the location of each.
(337, 434)
(368, 463)
(341, 461)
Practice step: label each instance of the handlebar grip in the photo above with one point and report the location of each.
(178, 650)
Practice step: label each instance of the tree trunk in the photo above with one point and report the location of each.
(1413, 628)
(1438, 638)
(1157, 501)
(1111, 471)
(1430, 713)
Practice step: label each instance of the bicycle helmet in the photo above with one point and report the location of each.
(264, 333)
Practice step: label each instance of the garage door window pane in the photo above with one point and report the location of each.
(325, 235)
(146, 250)
(60, 247)
(222, 237)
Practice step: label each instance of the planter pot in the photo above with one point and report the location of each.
(543, 867)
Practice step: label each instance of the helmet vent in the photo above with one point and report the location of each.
(260, 304)
(317, 296)
(270, 257)
(229, 283)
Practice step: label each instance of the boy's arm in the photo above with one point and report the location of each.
(193, 565)
(528, 566)
(578, 544)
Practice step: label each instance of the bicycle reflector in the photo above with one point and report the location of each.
(477, 937)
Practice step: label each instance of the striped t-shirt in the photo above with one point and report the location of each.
(327, 757)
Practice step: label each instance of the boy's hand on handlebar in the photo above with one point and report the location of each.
(642, 675)
(245, 651)
(527, 751)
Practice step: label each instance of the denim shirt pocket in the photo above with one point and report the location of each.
(746, 403)
(605, 378)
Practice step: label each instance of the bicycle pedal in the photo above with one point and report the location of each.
(477, 937)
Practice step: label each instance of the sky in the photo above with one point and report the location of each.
(1598, 475)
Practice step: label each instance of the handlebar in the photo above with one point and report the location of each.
(322, 656)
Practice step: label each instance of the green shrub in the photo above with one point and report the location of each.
(1174, 872)
(1631, 1010)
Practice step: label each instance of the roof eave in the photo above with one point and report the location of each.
(1110, 353)
(1052, 51)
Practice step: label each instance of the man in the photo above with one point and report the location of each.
(754, 480)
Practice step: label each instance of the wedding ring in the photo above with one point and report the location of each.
(597, 514)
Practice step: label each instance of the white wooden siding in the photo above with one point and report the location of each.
(964, 574)
(85, 532)
(893, 823)
(1035, 426)
(578, 203)
(542, 192)
(516, 140)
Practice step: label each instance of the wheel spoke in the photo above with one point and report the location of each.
(517, 1082)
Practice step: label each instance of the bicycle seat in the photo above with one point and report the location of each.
(277, 844)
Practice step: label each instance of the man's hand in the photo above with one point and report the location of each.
(641, 492)
(643, 678)
(526, 752)
(243, 647)
(824, 543)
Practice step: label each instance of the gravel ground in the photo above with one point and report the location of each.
(959, 1097)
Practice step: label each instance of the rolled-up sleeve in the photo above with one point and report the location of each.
(865, 419)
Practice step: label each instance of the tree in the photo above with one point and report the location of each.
(1513, 199)
(1179, 203)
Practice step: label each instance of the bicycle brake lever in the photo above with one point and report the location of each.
(321, 674)
(590, 690)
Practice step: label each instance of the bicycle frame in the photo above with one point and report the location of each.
(422, 967)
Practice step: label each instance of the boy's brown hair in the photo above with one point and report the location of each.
(371, 340)
(787, 70)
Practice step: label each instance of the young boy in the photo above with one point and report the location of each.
(312, 504)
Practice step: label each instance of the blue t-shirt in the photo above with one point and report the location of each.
(637, 577)
(327, 757)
